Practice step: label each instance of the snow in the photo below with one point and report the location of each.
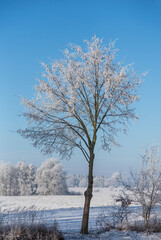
(101, 197)
(67, 210)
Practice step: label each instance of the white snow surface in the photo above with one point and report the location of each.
(101, 197)
(68, 210)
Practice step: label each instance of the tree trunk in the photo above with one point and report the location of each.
(88, 196)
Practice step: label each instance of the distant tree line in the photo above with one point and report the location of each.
(17, 180)
(49, 179)
(99, 181)
(23, 179)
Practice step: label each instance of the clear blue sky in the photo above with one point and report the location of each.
(33, 31)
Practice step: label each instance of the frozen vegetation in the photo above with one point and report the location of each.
(99, 181)
(23, 179)
(17, 180)
(131, 205)
(49, 179)
(68, 209)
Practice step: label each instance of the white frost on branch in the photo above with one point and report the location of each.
(84, 93)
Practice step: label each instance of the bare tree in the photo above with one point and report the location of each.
(144, 185)
(84, 93)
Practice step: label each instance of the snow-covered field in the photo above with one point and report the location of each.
(101, 197)
(67, 210)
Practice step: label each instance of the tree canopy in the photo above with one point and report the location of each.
(83, 93)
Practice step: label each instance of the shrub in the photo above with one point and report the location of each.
(144, 186)
(30, 232)
(28, 224)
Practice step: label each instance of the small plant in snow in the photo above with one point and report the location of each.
(117, 218)
(120, 216)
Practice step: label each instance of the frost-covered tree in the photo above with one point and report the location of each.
(17, 180)
(51, 178)
(22, 174)
(99, 181)
(8, 180)
(85, 95)
(83, 181)
(144, 185)
(26, 178)
(113, 180)
(31, 178)
(72, 181)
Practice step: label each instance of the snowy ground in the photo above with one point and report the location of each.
(67, 210)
